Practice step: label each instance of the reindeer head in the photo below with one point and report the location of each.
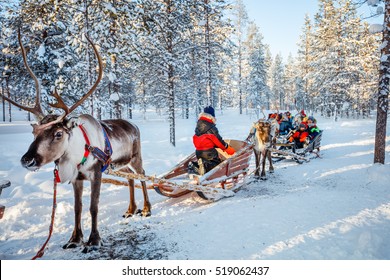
(263, 129)
(50, 142)
(51, 134)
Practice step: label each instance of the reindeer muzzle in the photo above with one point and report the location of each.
(29, 163)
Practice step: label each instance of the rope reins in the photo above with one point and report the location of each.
(53, 213)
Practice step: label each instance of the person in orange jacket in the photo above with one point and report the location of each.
(207, 139)
(300, 136)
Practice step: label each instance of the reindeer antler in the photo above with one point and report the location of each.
(60, 104)
(37, 109)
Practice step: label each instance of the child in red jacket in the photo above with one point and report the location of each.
(207, 139)
(300, 136)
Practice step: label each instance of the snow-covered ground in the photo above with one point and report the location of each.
(333, 208)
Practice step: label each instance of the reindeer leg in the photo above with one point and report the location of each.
(132, 209)
(257, 159)
(136, 164)
(262, 176)
(146, 212)
(94, 238)
(271, 166)
(76, 239)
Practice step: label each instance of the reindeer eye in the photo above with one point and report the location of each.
(58, 134)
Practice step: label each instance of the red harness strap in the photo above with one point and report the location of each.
(104, 156)
(86, 151)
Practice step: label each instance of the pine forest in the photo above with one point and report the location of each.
(177, 56)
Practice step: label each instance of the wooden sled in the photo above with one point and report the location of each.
(300, 155)
(3, 185)
(223, 180)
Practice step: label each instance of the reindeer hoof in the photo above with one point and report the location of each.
(263, 178)
(271, 171)
(127, 215)
(139, 212)
(72, 245)
(88, 249)
(146, 213)
(130, 214)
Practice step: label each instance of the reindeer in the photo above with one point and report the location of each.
(262, 132)
(81, 149)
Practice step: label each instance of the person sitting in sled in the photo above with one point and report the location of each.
(299, 118)
(285, 125)
(207, 139)
(300, 137)
(313, 129)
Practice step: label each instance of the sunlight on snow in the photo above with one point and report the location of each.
(345, 169)
(364, 217)
(354, 143)
(359, 154)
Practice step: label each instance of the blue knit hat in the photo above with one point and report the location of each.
(209, 110)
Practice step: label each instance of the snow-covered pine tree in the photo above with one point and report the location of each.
(228, 88)
(168, 22)
(278, 82)
(241, 19)
(268, 63)
(109, 24)
(328, 58)
(10, 59)
(217, 33)
(340, 62)
(291, 75)
(305, 94)
(369, 61)
(257, 79)
(208, 44)
(354, 72)
(44, 31)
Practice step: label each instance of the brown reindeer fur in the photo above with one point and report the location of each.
(262, 140)
(64, 144)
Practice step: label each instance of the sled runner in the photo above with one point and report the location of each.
(223, 180)
(3, 185)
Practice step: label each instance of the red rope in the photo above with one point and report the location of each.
(53, 213)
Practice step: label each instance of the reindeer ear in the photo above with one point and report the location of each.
(35, 128)
(72, 123)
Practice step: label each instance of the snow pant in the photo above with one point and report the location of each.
(298, 144)
(209, 158)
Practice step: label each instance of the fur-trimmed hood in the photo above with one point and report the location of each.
(207, 117)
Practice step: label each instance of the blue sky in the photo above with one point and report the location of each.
(281, 21)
